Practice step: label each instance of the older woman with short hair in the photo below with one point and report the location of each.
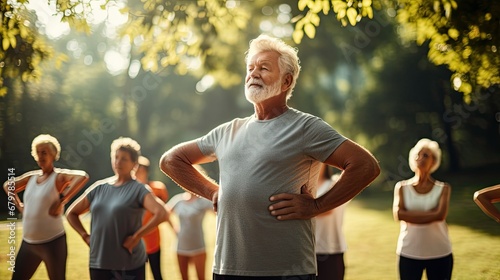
(46, 191)
(117, 205)
(421, 206)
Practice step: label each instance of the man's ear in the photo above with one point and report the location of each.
(287, 82)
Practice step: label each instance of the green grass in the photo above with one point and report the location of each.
(371, 235)
(78, 253)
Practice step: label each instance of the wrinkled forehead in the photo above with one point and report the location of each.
(263, 56)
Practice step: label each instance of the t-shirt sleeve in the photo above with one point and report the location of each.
(91, 191)
(208, 143)
(172, 203)
(142, 192)
(320, 139)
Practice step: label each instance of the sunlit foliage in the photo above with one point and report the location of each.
(22, 48)
(463, 35)
(190, 35)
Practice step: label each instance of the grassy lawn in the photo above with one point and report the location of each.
(371, 235)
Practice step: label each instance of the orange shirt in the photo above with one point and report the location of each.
(152, 239)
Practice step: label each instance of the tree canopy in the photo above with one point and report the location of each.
(463, 35)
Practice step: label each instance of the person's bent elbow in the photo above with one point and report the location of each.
(477, 197)
(372, 169)
(166, 163)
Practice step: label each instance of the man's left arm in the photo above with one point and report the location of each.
(359, 167)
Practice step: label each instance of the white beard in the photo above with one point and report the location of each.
(258, 94)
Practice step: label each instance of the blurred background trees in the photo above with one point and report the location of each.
(163, 72)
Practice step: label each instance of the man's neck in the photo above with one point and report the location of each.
(270, 108)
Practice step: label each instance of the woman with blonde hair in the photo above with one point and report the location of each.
(421, 205)
(46, 191)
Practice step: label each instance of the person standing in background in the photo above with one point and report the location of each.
(117, 206)
(152, 239)
(190, 209)
(330, 239)
(46, 191)
(421, 205)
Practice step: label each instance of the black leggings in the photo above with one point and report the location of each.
(330, 266)
(436, 269)
(154, 263)
(53, 253)
(108, 274)
(290, 277)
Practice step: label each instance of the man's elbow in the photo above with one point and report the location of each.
(372, 169)
(477, 197)
(166, 163)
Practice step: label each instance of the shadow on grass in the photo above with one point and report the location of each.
(463, 211)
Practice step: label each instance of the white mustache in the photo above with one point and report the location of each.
(254, 82)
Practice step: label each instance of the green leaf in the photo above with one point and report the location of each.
(5, 43)
(343, 22)
(3, 91)
(341, 13)
(326, 7)
(447, 9)
(297, 36)
(13, 41)
(302, 4)
(369, 11)
(310, 30)
(351, 15)
(367, 3)
(314, 19)
(338, 5)
(453, 33)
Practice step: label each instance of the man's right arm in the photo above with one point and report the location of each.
(177, 163)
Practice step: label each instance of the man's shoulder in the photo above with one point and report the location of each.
(303, 115)
(236, 122)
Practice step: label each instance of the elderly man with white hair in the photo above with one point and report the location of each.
(269, 164)
(421, 206)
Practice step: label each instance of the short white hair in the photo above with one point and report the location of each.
(288, 62)
(433, 146)
(46, 139)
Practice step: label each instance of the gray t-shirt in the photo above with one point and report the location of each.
(259, 158)
(116, 214)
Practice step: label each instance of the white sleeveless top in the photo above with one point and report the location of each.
(423, 241)
(329, 236)
(38, 225)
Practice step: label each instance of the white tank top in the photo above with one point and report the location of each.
(329, 236)
(423, 241)
(38, 225)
